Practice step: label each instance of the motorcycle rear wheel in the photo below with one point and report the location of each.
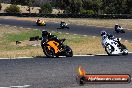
(67, 27)
(122, 31)
(124, 49)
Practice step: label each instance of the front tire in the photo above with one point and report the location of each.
(109, 49)
(82, 81)
(68, 51)
(49, 53)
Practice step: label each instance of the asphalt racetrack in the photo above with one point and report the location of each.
(84, 30)
(41, 72)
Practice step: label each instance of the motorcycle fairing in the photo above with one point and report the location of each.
(54, 45)
(113, 44)
(41, 23)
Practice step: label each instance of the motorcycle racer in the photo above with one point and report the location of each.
(118, 28)
(63, 25)
(40, 22)
(112, 45)
(105, 36)
(54, 47)
(48, 36)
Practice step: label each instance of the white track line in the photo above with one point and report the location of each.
(14, 26)
(23, 57)
(67, 33)
(20, 27)
(62, 56)
(5, 58)
(18, 58)
(35, 29)
(28, 28)
(52, 31)
(85, 35)
(101, 54)
(83, 55)
(74, 34)
(25, 86)
(60, 32)
(7, 25)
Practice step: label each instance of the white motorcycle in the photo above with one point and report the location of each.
(114, 47)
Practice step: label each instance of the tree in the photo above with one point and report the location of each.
(0, 6)
(29, 3)
(46, 8)
(1, 1)
(94, 5)
(72, 6)
(129, 6)
(114, 6)
(12, 9)
(18, 2)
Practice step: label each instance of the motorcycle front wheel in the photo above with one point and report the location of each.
(68, 51)
(109, 49)
(49, 52)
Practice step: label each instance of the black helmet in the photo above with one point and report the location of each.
(45, 33)
(103, 33)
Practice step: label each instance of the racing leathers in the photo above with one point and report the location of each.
(105, 37)
(110, 37)
(118, 28)
(48, 37)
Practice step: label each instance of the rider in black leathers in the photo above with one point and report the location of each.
(48, 36)
(62, 23)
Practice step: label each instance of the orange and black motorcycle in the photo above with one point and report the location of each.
(53, 48)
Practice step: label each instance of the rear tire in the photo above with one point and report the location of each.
(122, 31)
(124, 49)
(67, 27)
(117, 31)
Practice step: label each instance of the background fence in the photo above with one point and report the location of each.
(103, 16)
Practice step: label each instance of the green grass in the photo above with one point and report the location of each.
(22, 36)
(14, 47)
(8, 39)
(79, 44)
